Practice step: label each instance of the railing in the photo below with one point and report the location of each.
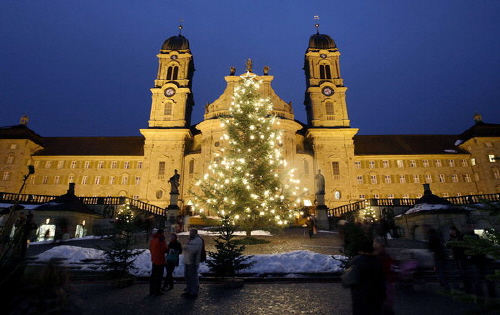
(40, 199)
(460, 200)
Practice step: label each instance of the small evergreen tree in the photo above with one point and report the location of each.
(120, 256)
(249, 181)
(228, 258)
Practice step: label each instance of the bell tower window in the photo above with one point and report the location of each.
(172, 73)
(325, 72)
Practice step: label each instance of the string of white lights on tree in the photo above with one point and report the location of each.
(249, 181)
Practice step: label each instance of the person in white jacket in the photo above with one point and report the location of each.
(192, 255)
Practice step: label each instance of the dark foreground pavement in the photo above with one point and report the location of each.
(252, 298)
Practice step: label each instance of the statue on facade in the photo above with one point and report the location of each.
(249, 65)
(174, 183)
(319, 180)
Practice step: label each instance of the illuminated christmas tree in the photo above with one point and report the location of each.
(249, 182)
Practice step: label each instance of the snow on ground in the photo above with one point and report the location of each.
(301, 261)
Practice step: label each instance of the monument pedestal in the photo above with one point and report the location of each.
(172, 212)
(321, 219)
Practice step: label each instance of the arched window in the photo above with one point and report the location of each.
(176, 73)
(167, 111)
(325, 72)
(172, 72)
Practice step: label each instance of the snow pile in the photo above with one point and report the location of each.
(301, 261)
(426, 207)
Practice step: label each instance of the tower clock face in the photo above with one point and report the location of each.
(169, 92)
(323, 56)
(327, 91)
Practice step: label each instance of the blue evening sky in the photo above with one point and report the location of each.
(84, 68)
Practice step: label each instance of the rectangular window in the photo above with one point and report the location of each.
(373, 179)
(48, 164)
(390, 196)
(473, 161)
(451, 163)
(464, 163)
(376, 196)
(139, 164)
(362, 197)
(100, 165)
(85, 180)
(413, 163)
(425, 163)
(387, 179)
(36, 164)
(441, 178)
(86, 165)
(454, 178)
(124, 180)
(73, 164)
(13, 146)
(137, 180)
(57, 179)
(400, 163)
(71, 179)
(336, 170)
(459, 195)
(385, 163)
(97, 180)
(6, 176)
(428, 178)
(135, 197)
(360, 179)
(357, 164)
(33, 179)
(402, 179)
(161, 170)
(488, 144)
(306, 167)
(9, 159)
(491, 157)
(467, 178)
(60, 164)
(111, 180)
(45, 180)
(114, 164)
(126, 164)
(446, 195)
(371, 164)
(416, 178)
(438, 163)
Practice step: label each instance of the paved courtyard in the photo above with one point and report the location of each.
(252, 298)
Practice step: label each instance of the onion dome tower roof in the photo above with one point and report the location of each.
(321, 41)
(178, 42)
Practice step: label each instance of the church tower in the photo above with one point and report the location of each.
(172, 98)
(328, 131)
(325, 94)
(169, 122)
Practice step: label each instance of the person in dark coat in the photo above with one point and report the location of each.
(459, 256)
(174, 249)
(368, 294)
(157, 248)
(436, 246)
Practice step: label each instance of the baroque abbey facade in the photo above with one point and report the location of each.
(354, 166)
